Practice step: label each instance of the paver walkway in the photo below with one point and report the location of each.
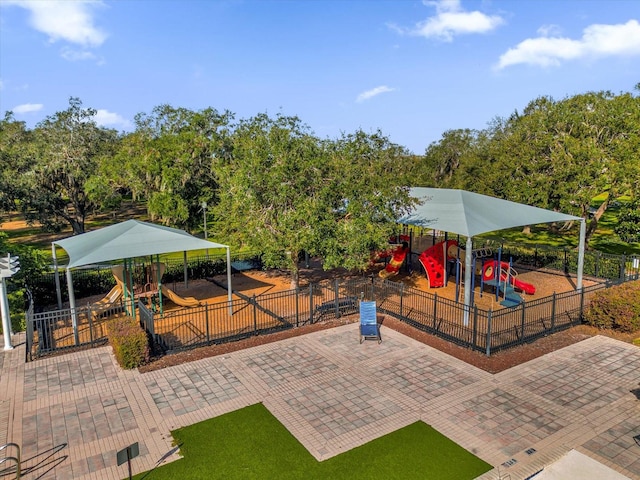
(72, 413)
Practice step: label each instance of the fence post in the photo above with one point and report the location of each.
(335, 297)
(152, 323)
(90, 321)
(553, 313)
(401, 298)
(435, 309)
(310, 303)
(522, 319)
(581, 304)
(255, 314)
(206, 320)
(474, 337)
(297, 307)
(29, 319)
(373, 288)
(489, 333)
(623, 265)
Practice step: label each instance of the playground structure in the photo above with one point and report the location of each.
(435, 259)
(143, 282)
(440, 259)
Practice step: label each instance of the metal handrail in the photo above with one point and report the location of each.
(15, 459)
(11, 444)
(6, 470)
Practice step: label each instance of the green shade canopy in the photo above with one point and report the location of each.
(470, 214)
(129, 239)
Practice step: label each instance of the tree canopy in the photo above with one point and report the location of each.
(273, 186)
(554, 154)
(282, 191)
(50, 167)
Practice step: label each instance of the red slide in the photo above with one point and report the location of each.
(488, 274)
(524, 286)
(434, 258)
(393, 267)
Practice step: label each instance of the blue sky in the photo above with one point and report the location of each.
(412, 69)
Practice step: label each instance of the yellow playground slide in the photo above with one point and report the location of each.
(178, 300)
(110, 298)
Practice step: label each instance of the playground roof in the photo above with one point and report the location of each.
(129, 239)
(470, 214)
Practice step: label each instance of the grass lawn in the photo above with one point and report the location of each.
(252, 444)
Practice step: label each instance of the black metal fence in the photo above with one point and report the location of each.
(54, 331)
(487, 331)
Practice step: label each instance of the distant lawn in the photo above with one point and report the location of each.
(604, 239)
(252, 444)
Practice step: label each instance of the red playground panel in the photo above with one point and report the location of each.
(434, 260)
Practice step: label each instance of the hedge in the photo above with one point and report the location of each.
(616, 308)
(129, 342)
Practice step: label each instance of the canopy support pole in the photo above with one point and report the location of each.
(56, 277)
(581, 245)
(184, 263)
(229, 289)
(72, 306)
(467, 279)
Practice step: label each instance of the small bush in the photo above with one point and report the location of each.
(129, 342)
(616, 308)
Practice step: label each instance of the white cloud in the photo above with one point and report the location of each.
(105, 118)
(74, 55)
(71, 21)
(597, 41)
(27, 108)
(373, 92)
(451, 20)
(549, 31)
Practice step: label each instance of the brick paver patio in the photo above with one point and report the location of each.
(72, 413)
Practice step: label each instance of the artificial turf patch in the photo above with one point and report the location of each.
(252, 444)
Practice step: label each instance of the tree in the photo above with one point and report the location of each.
(169, 161)
(68, 147)
(16, 156)
(282, 191)
(367, 191)
(561, 154)
(443, 158)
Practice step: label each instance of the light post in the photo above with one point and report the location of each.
(204, 214)
(9, 266)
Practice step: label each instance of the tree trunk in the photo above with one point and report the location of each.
(593, 224)
(527, 230)
(77, 226)
(566, 226)
(295, 271)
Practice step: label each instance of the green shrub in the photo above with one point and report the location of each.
(616, 308)
(129, 342)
